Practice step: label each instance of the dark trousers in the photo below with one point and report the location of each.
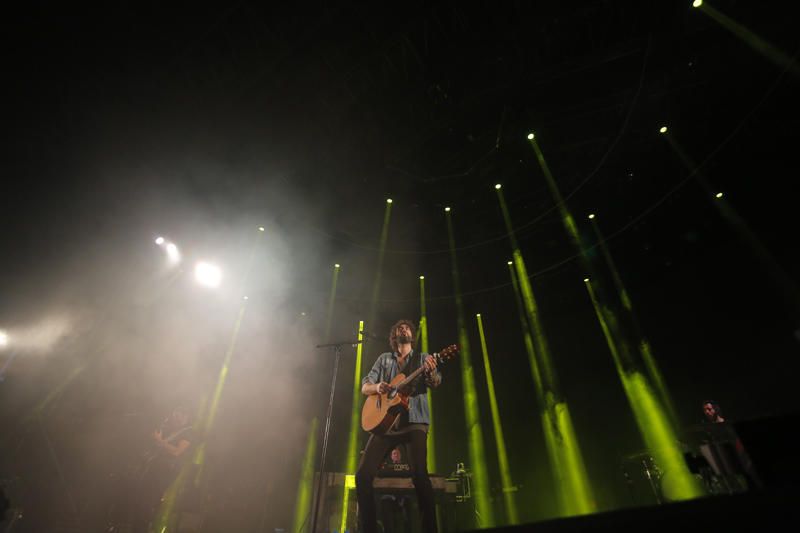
(375, 452)
(149, 491)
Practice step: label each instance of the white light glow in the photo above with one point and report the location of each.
(172, 253)
(3, 339)
(207, 274)
(159, 240)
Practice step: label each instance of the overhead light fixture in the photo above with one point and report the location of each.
(207, 274)
(173, 253)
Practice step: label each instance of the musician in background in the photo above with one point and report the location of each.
(395, 509)
(726, 454)
(410, 429)
(712, 412)
(169, 451)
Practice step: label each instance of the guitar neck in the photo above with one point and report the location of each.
(412, 376)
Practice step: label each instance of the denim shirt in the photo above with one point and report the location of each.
(385, 369)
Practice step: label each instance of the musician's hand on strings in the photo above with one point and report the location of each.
(430, 365)
(382, 387)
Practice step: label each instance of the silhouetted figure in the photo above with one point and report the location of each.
(725, 452)
(170, 448)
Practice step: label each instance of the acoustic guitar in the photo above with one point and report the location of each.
(380, 411)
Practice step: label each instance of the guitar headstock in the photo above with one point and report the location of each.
(448, 353)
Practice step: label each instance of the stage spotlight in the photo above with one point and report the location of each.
(336, 265)
(388, 200)
(207, 274)
(510, 263)
(663, 129)
(586, 280)
(245, 297)
(498, 186)
(422, 277)
(261, 228)
(718, 195)
(478, 315)
(446, 209)
(159, 240)
(591, 216)
(172, 253)
(3, 339)
(530, 136)
(697, 3)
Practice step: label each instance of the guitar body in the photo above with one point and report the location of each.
(381, 410)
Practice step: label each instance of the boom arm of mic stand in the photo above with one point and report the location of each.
(338, 344)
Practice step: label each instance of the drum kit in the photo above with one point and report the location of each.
(710, 453)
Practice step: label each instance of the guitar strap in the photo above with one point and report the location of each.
(175, 434)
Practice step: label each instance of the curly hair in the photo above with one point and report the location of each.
(393, 332)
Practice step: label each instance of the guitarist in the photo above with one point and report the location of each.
(169, 449)
(411, 428)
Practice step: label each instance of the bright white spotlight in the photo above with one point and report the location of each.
(591, 216)
(3, 339)
(207, 274)
(159, 240)
(172, 253)
(261, 228)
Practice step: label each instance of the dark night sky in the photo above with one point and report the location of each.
(133, 120)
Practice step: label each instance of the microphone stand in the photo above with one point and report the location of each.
(316, 503)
